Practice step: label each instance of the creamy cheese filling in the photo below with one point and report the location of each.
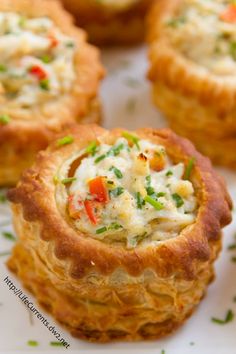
(36, 61)
(205, 32)
(130, 193)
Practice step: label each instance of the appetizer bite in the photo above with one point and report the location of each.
(49, 77)
(123, 246)
(193, 70)
(110, 22)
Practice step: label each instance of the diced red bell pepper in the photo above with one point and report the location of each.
(90, 210)
(98, 190)
(38, 71)
(229, 15)
(73, 211)
(54, 41)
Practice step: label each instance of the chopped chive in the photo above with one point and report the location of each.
(233, 259)
(65, 141)
(163, 351)
(115, 150)
(56, 344)
(139, 200)
(44, 84)
(101, 230)
(232, 247)
(175, 22)
(9, 236)
(132, 138)
(115, 226)
(116, 191)
(148, 180)
(3, 254)
(91, 148)
(32, 343)
(68, 180)
(178, 200)
(100, 158)
(150, 190)
(189, 168)
(169, 173)
(3, 198)
(4, 119)
(228, 318)
(161, 194)
(110, 182)
(70, 44)
(116, 171)
(46, 58)
(232, 50)
(3, 68)
(157, 205)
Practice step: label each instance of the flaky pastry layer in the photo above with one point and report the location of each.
(100, 291)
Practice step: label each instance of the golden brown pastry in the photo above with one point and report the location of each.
(123, 246)
(110, 22)
(49, 78)
(193, 70)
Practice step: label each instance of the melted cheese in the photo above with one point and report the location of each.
(127, 217)
(33, 43)
(201, 34)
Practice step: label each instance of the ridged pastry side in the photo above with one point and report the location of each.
(107, 26)
(101, 291)
(103, 310)
(193, 99)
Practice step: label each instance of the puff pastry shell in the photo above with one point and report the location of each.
(111, 22)
(104, 292)
(198, 103)
(30, 130)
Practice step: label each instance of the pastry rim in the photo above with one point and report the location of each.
(180, 255)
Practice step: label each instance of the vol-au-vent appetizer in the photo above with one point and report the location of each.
(193, 69)
(111, 21)
(123, 246)
(49, 78)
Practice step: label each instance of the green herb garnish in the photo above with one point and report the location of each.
(176, 22)
(70, 44)
(3, 198)
(4, 119)
(148, 180)
(169, 173)
(139, 200)
(101, 230)
(189, 168)
(116, 191)
(68, 180)
(3, 254)
(150, 190)
(115, 150)
(228, 318)
(100, 158)
(65, 141)
(9, 236)
(3, 68)
(160, 194)
(178, 200)
(44, 84)
(32, 343)
(232, 50)
(233, 259)
(157, 205)
(116, 171)
(232, 247)
(115, 226)
(56, 344)
(91, 148)
(46, 58)
(132, 138)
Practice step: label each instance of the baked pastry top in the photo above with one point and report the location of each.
(129, 194)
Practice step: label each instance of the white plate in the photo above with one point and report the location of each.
(127, 103)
